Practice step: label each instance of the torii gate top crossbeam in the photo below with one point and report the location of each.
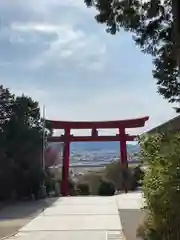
(129, 123)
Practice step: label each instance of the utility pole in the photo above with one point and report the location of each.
(43, 188)
(44, 138)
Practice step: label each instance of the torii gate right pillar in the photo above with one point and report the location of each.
(123, 148)
(123, 158)
(65, 167)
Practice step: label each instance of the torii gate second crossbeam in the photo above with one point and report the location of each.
(67, 138)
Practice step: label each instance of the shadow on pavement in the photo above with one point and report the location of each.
(15, 216)
(25, 209)
(131, 219)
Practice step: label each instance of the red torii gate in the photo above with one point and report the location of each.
(67, 138)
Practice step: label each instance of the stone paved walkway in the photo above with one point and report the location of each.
(71, 218)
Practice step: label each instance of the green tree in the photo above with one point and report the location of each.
(21, 143)
(24, 137)
(161, 187)
(152, 24)
(7, 164)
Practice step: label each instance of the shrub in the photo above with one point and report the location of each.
(161, 186)
(49, 182)
(106, 188)
(71, 187)
(83, 189)
(50, 185)
(6, 178)
(136, 177)
(94, 180)
(113, 172)
(122, 178)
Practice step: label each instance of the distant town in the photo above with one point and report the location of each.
(97, 158)
(96, 155)
(85, 159)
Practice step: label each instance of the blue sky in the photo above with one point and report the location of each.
(54, 51)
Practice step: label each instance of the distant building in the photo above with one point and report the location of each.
(173, 125)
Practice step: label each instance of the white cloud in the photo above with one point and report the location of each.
(71, 44)
(39, 27)
(44, 7)
(68, 3)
